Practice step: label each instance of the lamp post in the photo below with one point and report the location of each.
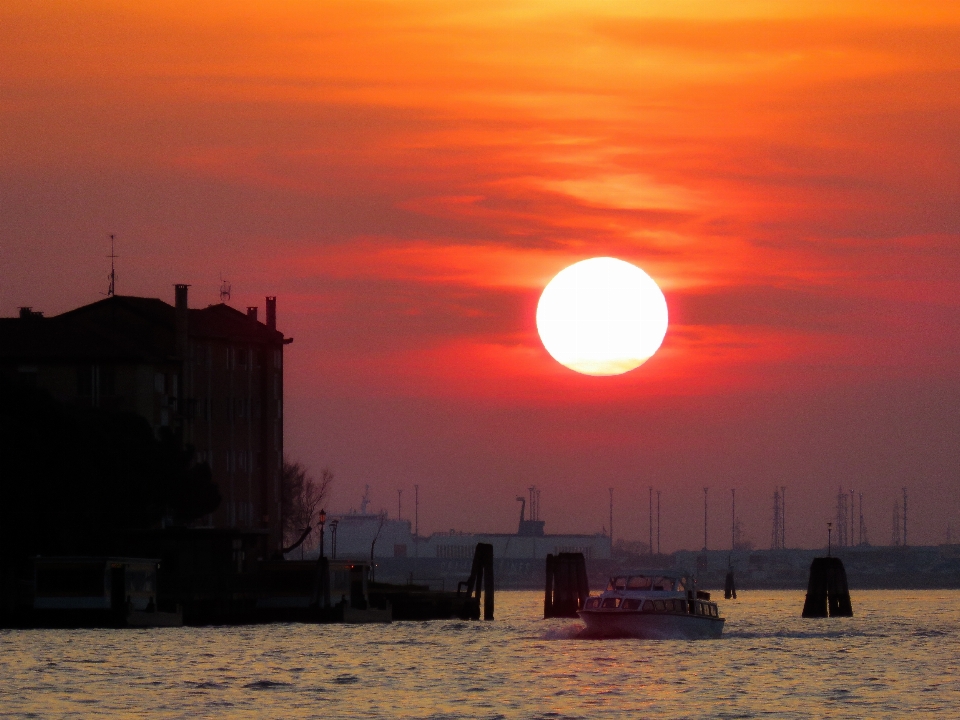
(333, 536)
(829, 532)
(323, 521)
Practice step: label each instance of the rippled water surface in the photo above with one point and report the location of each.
(898, 656)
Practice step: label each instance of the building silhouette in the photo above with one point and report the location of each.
(213, 376)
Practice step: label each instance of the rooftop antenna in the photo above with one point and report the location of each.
(224, 289)
(111, 289)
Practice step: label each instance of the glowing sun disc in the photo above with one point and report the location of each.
(602, 316)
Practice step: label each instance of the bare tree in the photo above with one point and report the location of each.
(383, 520)
(301, 496)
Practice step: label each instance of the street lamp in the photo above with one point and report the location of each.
(333, 535)
(829, 531)
(323, 521)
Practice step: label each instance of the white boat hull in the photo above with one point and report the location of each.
(651, 626)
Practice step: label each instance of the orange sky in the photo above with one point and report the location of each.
(406, 176)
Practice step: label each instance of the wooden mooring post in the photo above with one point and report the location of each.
(566, 585)
(827, 590)
(481, 575)
(730, 586)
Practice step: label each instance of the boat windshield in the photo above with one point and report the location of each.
(617, 583)
(646, 582)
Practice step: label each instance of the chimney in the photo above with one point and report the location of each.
(272, 312)
(180, 323)
(252, 313)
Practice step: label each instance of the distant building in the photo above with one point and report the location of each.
(213, 374)
(444, 558)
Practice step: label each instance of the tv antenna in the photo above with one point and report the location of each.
(224, 289)
(112, 277)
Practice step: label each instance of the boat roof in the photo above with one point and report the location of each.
(671, 573)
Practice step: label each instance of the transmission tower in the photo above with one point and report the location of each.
(112, 288)
(776, 542)
(904, 517)
(895, 540)
(842, 535)
(863, 525)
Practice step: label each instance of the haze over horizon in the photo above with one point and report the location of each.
(406, 177)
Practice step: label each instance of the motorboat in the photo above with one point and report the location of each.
(655, 606)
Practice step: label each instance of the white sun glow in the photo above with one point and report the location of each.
(602, 316)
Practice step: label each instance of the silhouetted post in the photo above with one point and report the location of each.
(827, 590)
(548, 589)
(730, 588)
(481, 574)
(567, 587)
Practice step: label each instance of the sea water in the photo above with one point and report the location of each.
(897, 656)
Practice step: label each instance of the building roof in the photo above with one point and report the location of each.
(123, 329)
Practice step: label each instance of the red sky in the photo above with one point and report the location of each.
(407, 176)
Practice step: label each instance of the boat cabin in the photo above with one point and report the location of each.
(647, 582)
(676, 598)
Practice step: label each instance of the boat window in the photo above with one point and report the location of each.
(713, 611)
(670, 605)
(638, 582)
(611, 602)
(658, 605)
(592, 603)
(632, 604)
(680, 586)
(648, 606)
(698, 608)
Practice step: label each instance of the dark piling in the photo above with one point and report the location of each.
(566, 585)
(481, 576)
(827, 591)
(730, 587)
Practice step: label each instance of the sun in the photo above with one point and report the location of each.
(602, 316)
